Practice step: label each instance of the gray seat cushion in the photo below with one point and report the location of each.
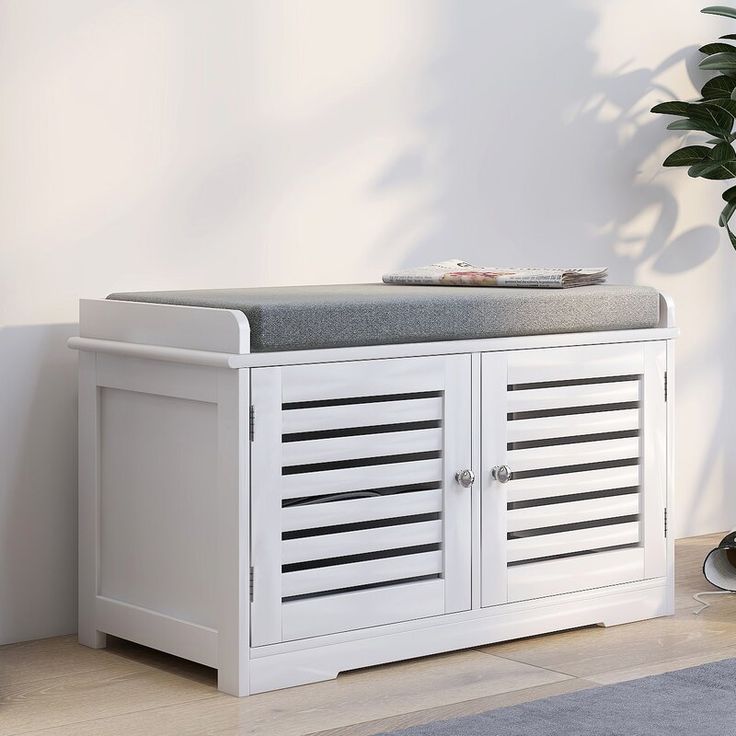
(303, 317)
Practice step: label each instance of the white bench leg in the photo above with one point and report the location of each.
(88, 501)
(94, 639)
(233, 563)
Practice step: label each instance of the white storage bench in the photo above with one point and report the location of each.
(287, 483)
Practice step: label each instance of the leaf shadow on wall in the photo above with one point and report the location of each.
(535, 157)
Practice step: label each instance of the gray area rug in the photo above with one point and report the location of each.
(699, 701)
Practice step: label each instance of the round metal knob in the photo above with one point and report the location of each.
(465, 478)
(501, 473)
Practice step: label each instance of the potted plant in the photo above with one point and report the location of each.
(713, 114)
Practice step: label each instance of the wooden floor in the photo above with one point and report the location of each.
(57, 688)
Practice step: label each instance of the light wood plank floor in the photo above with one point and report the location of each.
(57, 688)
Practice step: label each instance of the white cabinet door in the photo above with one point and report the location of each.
(357, 519)
(582, 431)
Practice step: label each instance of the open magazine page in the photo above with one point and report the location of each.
(460, 273)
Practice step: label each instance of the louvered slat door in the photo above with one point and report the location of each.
(582, 430)
(357, 519)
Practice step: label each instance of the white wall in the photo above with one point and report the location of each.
(182, 144)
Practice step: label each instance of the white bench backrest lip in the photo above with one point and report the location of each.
(168, 325)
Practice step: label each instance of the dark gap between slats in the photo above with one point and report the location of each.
(573, 382)
(324, 434)
(359, 400)
(594, 550)
(347, 559)
(357, 495)
(544, 530)
(354, 588)
(573, 439)
(582, 496)
(563, 469)
(360, 462)
(355, 526)
(568, 410)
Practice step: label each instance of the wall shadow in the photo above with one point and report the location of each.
(538, 156)
(38, 482)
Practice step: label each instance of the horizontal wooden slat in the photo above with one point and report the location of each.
(552, 577)
(310, 516)
(537, 458)
(564, 397)
(366, 540)
(359, 446)
(347, 611)
(361, 478)
(361, 573)
(564, 364)
(361, 415)
(570, 425)
(548, 486)
(573, 512)
(320, 381)
(546, 545)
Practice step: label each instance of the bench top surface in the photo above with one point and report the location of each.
(348, 315)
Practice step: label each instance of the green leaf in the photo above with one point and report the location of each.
(701, 124)
(687, 156)
(725, 170)
(730, 36)
(726, 213)
(722, 153)
(716, 48)
(729, 194)
(699, 169)
(724, 61)
(724, 103)
(723, 10)
(689, 125)
(685, 109)
(717, 114)
(718, 120)
(718, 87)
(721, 163)
(731, 237)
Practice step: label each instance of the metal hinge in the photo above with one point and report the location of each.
(665, 385)
(251, 584)
(665, 524)
(252, 421)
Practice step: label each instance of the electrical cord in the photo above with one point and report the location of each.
(703, 604)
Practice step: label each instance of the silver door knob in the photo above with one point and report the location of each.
(465, 478)
(501, 473)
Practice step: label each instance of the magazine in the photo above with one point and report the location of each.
(461, 273)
